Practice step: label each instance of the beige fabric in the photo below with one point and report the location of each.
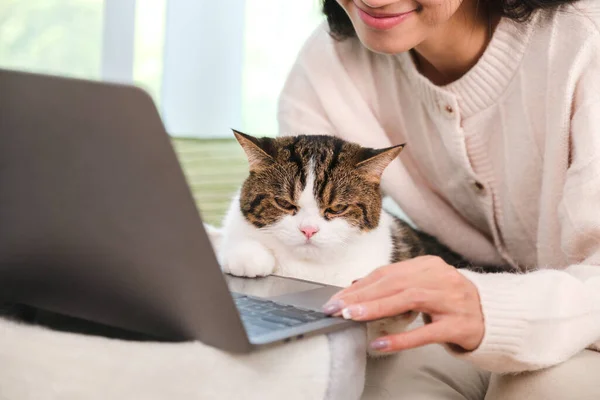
(431, 373)
(578, 378)
(425, 373)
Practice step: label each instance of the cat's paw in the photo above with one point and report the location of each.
(388, 326)
(247, 259)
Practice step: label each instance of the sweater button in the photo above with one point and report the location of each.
(448, 111)
(478, 187)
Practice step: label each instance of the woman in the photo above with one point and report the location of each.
(499, 104)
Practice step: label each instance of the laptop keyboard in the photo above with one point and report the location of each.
(261, 316)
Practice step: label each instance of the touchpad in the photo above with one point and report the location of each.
(269, 286)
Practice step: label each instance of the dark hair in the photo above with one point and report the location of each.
(341, 27)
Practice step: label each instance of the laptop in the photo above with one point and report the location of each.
(98, 223)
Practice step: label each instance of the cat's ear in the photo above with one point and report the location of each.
(257, 150)
(375, 161)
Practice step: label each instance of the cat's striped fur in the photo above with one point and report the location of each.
(345, 174)
(311, 208)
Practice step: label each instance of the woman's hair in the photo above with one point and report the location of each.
(519, 10)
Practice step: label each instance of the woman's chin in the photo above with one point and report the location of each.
(381, 47)
(385, 42)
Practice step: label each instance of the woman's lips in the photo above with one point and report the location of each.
(382, 22)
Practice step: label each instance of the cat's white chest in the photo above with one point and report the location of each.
(338, 274)
(248, 251)
(357, 260)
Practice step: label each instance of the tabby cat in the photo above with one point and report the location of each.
(311, 208)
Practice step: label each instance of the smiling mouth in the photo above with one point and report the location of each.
(383, 22)
(381, 15)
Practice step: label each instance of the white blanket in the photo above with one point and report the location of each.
(41, 364)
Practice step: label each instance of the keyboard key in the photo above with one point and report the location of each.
(266, 324)
(280, 320)
(261, 316)
(293, 314)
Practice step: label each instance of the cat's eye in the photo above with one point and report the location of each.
(286, 205)
(337, 209)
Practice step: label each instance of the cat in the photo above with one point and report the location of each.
(311, 208)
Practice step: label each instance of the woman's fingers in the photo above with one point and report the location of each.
(403, 267)
(380, 285)
(364, 281)
(389, 276)
(459, 332)
(387, 285)
(377, 290)
(426, 284)
(428, 334)
(423, 300)
(399, 271)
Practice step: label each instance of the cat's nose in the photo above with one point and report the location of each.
(309, 231)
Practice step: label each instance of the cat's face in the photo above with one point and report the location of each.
(314, 194)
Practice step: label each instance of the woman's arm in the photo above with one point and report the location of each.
(536, 320)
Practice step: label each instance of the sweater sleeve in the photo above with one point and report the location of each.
(543, 318)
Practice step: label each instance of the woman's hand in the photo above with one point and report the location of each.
(426, 284)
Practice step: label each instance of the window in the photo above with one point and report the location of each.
(275, 31)
(209, 65)
(54, 36)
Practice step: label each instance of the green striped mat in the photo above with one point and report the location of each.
(215, 169)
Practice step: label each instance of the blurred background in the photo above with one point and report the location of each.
(209, 65)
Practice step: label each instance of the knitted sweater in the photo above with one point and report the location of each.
(502, 165)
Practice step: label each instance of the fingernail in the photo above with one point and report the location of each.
(354, 281)
(353, 312)
(333, 306)
(380, 344)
